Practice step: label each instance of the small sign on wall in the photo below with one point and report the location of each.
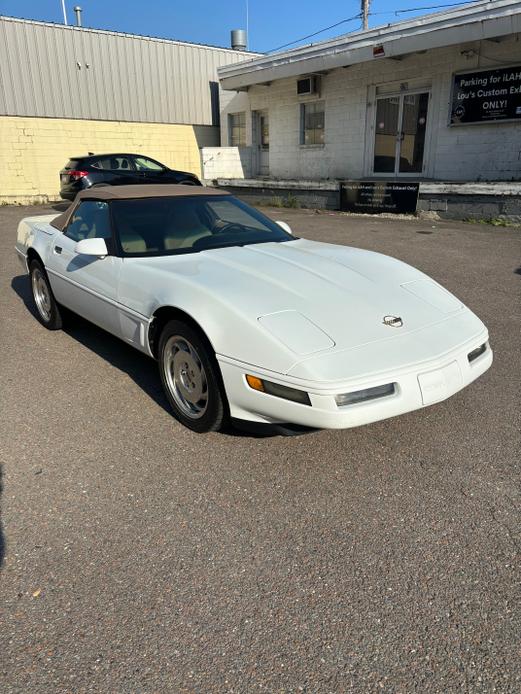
(376, 197)
(486, 95)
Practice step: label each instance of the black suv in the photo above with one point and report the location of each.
(80, 173)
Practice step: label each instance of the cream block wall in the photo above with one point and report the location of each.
(33, 150)
(486, 151)
(226, 162)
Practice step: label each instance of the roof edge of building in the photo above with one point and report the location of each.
(159, 39)
(357, 47)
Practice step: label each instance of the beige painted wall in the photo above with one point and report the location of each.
(33, 150)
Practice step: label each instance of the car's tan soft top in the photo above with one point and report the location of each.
(106, 193)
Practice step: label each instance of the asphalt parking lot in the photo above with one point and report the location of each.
(140, 557)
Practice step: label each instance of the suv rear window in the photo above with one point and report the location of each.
(72, 165)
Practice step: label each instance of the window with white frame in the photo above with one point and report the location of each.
(312, 118)
(237, 127)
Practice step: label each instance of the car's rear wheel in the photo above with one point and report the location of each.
(47, 309)
(190, 378)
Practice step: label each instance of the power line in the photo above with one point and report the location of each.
(316, 33)
(371, 14)
(425, 7)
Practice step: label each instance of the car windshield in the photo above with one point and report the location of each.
(178, 224)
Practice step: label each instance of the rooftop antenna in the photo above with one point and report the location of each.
(64, 12)
(247, 21)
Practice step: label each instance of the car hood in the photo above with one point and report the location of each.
(310, 298)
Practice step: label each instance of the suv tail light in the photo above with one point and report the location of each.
(76, 175)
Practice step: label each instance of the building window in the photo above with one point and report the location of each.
(312, 123)
(237, 129)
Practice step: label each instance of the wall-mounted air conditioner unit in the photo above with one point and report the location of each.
(308, 85)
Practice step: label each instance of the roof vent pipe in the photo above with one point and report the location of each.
(77, 9)
(239, 41)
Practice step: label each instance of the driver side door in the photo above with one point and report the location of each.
(85, 284)
(149, 170)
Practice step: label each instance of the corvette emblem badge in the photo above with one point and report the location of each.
(393, 321)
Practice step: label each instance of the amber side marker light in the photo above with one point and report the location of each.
(277, 390)
(255, 383)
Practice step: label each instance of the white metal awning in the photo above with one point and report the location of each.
(473, 22)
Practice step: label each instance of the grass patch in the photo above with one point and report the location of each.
(290, 201)
(493, 221)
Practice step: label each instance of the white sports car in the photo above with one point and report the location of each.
(246, 320)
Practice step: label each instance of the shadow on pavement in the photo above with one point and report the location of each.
(518, 271)
(20, 285)
(140, 368)
(2, 540)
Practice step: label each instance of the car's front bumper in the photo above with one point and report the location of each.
(416, 386)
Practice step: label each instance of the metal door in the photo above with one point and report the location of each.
(86, 284)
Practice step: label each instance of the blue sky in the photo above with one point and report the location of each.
(272, 22)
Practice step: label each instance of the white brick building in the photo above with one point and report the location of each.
(380, 103)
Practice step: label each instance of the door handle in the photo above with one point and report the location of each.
(58, 249)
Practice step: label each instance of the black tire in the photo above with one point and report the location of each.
(47, 309)
(187, 182)
(187, 374)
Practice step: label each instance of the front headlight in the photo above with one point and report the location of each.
(364, 395)
(471, 356)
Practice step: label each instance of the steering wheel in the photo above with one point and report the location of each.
(228, 227)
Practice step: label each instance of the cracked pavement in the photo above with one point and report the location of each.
(140, 557)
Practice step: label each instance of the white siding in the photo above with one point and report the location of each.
(56, 71)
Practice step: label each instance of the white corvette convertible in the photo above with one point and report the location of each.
(246, 320)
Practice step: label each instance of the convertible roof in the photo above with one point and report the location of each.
(106, 193)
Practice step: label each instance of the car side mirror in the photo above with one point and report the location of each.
(285, 226)
(96, 247)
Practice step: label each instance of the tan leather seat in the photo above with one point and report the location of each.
(132, 242)
(184, 229)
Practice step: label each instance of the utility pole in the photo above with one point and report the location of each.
(364, 4)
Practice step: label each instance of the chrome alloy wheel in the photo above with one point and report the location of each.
(41, 293)
(185, 376)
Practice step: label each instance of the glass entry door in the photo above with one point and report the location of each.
(262, 140)
(399, 144)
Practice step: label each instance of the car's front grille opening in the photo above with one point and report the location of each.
(477, 352)
(366, 394)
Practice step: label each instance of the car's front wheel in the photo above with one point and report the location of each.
(190, 378)
(47, 309)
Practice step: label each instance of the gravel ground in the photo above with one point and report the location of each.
(142, 558)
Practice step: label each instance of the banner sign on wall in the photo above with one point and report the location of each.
(374, 197)
(486, 95)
